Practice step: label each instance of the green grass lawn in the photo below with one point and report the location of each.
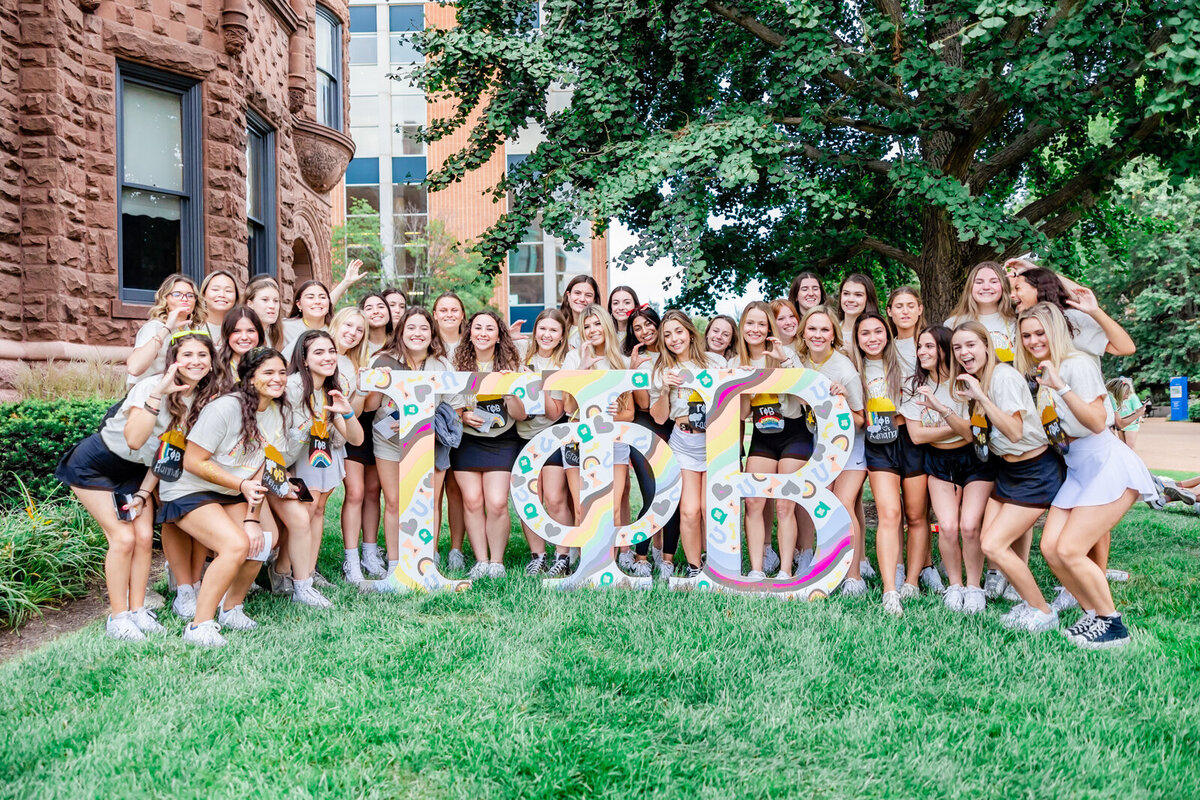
(509, 690)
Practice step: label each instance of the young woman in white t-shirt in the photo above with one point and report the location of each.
(986, 299)
(264, 297)
(683, 348)
(220, 292)
(856, 295)
(1092, 331)
(907, 316)
(622, 302)
(579, 293)
(1104, 477)
(379, 321)
(806, 291)
(311, 310)
(1028, 473)
(177, 307)
(451, 317)
(721, 336)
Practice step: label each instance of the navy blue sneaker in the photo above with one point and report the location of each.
(1105, 633)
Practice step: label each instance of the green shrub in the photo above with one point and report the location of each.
(35, 434)
(48, 552)
(1194, 410)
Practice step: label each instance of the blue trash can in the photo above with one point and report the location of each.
(1179, 398)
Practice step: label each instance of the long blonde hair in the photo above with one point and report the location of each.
(967, 308)
(612, 342)
(801, 346)
(984, 375)
(893, 372)
(159, 310)
(1057, 336)
(559, 353)
(695, 352)
(743, 351)
(358, 354)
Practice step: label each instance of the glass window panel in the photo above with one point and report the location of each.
(404, 141)
(366, 141)
(325, 42)
(370, 194)
(152, 127)
(364, 110)
(573, 262)
(526, 290)
(362, 19)
(364, 49)
(255, 145)
(527, 258)
(408, 109)
(151, 232)
(403, 51)
(409, 198)
(325, 88)
(406, 18)
(408, 260)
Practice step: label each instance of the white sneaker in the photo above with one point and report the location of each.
(908, 592)
(641, 569)
(236, 619)
(205, 634)
(953, 598)
(625, 560)
(1013, 618)
(455, 561)
(866, 570)
(994, 584)
(770, 560)
(802, 562)
(496, 570)
(304, 594)
(320, 581)
(932, 581)
(153, 601)
(1065, 600)
(280, 584)
(352, 572)
(901, 574)
(146, 620)
(480, 570)
(1117, 575)
(854, 587)
(1036, 621)
(655, 555)
(372, 565)
(1011, 595)
(756, 575)
(891, 604)
(123, 628)
(184, 605)
(783, 575)
(666, 569)
(974, 600)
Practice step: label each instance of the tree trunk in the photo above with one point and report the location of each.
(943, 267)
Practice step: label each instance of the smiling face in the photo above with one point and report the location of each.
(484, 333)
(397, 306)
(787, 323)
(927, 352)
(182, 295)
(1024, 295)
(872, 337)
(581, 296)
(350, 333)
(221, 294)
(266, 304)
(270, 379)
(905, 312)
(244, 337)
(818, 334)
(377, 312)
(718, 336)
(547, 333)
(321, 359)
(194, 361)
(449, 315)
(417, 335)
(987, 289)
(1034, 338)
(593, 333)
(969, 351)
(853, 298)
(314, 302)
(621, 305)
(755, 328)
(809, 293)
(645, 331)
(676, 337)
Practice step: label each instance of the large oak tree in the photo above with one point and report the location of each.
(757, 138)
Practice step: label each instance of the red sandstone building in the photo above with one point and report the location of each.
(144, 137)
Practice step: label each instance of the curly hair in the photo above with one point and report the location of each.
(299, 365)
(505, 356)
(210, 386)
(159, 310)
(247, 395)
(395, 345)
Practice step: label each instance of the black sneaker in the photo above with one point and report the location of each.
(537, 565)
(561, 567)
(693, 572)
(1108, 633)
(1081, 627)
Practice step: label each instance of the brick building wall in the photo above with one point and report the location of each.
(58, 151)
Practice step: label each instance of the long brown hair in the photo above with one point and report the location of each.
(505, 356)
(899, 291)
(892, 370)
(297, 314)
(236, 315)
(794, 290)
(695, 352)
(257, 284)
(872, 304)
(247, 395)
(208, 387)
(299, 365)
(984, 375)
(395, 344)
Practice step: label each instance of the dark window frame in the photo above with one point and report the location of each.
(333, 97)
(262, 251)
(191, 211)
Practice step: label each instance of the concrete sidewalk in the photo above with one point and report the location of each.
(1170, 445)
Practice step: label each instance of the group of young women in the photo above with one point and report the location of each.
(240, 423)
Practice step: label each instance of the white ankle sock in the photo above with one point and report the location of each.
(370, 548)
(352, 555)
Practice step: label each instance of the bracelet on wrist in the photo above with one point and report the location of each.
(348, 415)
(247, 519)
(151, 409)
(1063, 391)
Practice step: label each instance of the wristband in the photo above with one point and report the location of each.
(151, 409)
(250, 520)
(348, 415)
(1063, 391)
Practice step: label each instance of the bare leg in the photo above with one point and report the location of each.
(389, 480)
(122, 542)
(916, 517)
(847, 486)
(293, 516)
(1003, 526)
(1084, 526)
(370, 506)
(975, 497)
(885, 486)
(178, 547)
(352, 505)
(495, 499)
(211, 526)
(471, 486)
(945, 498)
(691, 516)
(757, 526)
(455, 511)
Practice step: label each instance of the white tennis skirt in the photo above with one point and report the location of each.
(689, 450)
(1100, 468)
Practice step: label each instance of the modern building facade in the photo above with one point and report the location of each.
(389, 163)
(144, 137)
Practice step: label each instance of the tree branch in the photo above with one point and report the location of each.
(890, 251)
(821, 157)
(1011, 154)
